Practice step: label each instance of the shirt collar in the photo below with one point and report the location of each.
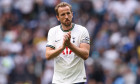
(67, 30)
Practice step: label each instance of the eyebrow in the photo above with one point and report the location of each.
(65, 13)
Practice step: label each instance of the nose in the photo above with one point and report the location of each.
(66, 16)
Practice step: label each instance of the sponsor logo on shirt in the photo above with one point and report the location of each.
(67, 51)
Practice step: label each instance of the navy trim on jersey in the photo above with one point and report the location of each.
(67, 30)
(86, 42)
(50, 46)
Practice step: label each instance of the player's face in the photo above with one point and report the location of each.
(65, 15)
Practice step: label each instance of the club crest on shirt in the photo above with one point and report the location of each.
(73, 39)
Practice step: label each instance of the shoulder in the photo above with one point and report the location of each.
(54, 29)
(80, 27)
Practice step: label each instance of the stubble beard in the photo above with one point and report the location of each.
(67, 24)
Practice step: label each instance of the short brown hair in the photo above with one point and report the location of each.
(62, 4)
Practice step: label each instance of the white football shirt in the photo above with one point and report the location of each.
(68, 67)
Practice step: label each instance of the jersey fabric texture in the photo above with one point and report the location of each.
(68, 67)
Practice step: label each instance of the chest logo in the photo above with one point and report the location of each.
(66, 51)
(73, 39)
(57, 40)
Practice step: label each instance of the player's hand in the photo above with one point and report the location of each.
(67, 37)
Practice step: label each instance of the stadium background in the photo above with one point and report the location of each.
(114, 27)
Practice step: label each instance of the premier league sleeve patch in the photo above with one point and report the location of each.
(86, 40)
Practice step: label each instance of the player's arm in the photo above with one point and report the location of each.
(82, 51)
(52, 53)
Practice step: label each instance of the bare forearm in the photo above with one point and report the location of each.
(81, 52)
(50, 54)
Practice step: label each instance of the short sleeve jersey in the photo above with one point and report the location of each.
(68, 67)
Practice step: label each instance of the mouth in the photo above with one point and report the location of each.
(67, 20)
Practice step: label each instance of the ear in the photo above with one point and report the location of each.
(72, 14)
(57, 18)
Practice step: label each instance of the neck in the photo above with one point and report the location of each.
(66, 27)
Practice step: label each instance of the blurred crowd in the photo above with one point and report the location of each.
(113, 25)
